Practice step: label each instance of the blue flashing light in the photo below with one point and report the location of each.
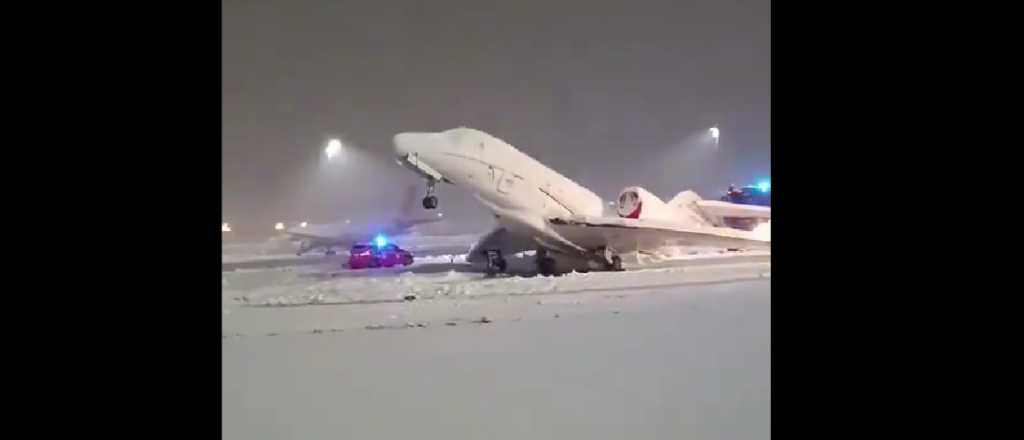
(764, 186)
(380, 240)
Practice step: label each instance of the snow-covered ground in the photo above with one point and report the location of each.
(678, 346)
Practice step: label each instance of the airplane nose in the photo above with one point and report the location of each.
(406, 143)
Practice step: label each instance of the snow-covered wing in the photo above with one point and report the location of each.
(401, 226)
(302, 235)
(320, 236)
(628, 235)
(725, 209)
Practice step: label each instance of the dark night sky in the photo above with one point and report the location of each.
(609, 95)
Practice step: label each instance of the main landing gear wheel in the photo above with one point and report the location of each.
(616, 264)
(495, 263)
(545, 264)
(612, 261)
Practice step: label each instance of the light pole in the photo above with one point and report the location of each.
(717, 160)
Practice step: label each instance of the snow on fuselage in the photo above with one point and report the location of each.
(537, 206)
(502, 177)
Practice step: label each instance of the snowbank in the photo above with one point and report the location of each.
(453, 284)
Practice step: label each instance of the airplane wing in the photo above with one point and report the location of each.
(725, 209)
(303, 235)
(629, 235)
(402, 225)
(311, 238)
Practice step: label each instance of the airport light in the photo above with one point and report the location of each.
(714, 134)
(224, 227)
(333, 148)
(279, 226)
(440, 214)
(302, 225)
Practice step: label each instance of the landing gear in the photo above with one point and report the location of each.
(612, 261)
(329, 252)
(616, 264)
(430, 201)
(495, 263)
(545, 264)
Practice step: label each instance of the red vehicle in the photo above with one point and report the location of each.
(364, 255)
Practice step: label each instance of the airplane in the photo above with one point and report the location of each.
(345, 234)
(537, 208)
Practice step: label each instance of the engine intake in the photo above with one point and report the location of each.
(636, 202)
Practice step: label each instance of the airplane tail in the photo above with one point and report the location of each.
(686, 204)
(684, 198)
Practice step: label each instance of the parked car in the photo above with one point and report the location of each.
(365, 255)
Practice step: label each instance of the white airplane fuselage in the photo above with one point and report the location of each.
(504, 179)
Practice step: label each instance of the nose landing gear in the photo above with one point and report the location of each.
(430, 201)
